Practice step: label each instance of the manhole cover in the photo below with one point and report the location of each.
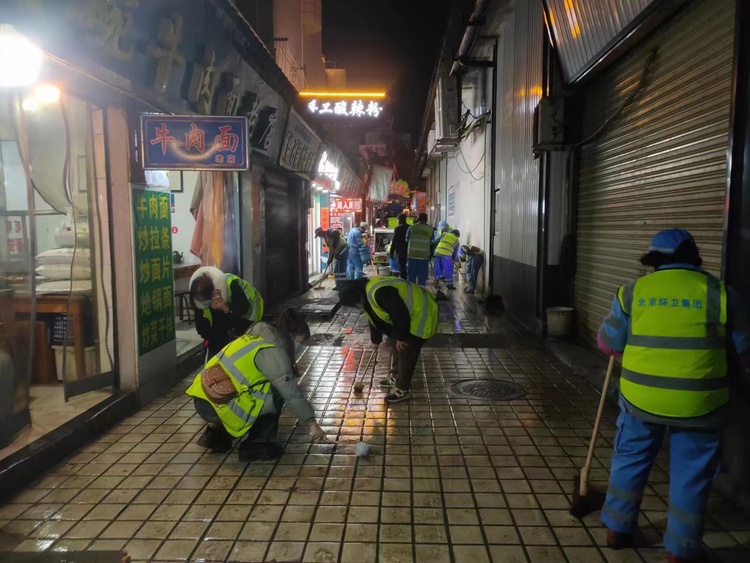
(488, 390)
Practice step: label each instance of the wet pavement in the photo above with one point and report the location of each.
(449, 479)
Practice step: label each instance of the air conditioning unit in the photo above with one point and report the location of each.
(549, 124)
(446, 113)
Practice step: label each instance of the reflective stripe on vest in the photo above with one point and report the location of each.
(255, 313)
(421, 304)
(253, 389)
(447, 244)
(420, 241)
(674, 364)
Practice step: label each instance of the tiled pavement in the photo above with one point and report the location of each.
(448, 480)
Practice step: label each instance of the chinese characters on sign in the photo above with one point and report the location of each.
(191, 142)
(355, 108)
(153, 269)
(345, 205)
(300, 146)
(671, 302)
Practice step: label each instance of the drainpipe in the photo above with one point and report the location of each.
(470, 35)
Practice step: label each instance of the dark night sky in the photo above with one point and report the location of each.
(384, 43)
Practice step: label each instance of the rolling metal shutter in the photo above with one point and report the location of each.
(282, 240)
(663, 162)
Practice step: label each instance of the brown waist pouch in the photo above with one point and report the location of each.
(217, 385)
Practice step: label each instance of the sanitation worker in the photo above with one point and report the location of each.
(356, 243)
(419, 238)
(226, 306)
(406, 313)
(338, 250)
(670, 327)
(242, 390)
(474, 258)
(445, 254)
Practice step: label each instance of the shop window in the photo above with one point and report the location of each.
(56, 302)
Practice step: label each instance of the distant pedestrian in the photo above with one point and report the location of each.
(399, 246)
(406, 313)
(419, 237)
(226, 306)
(474, 258)
(242, 390)
(338, 252)
(356, 243)
(445, 254)
(670, 328)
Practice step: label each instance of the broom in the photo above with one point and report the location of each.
(324, 278)
(581, 505)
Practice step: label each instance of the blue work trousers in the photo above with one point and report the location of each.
(417, 269)
(473, 266)
(354, 267)
(339, 267)
(695, 459)
(444, 265)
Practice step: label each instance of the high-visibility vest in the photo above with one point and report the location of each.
(674, 364)
(419, 241)
(447, 245)
(253, 389)
(254, 313)
(421, 304)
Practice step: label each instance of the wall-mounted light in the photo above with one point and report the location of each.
(44, 94)
(20, 60)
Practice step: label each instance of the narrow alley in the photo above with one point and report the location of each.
(449, 479)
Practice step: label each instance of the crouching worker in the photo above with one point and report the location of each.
(242, 390)
(406, 313)
(226, 306)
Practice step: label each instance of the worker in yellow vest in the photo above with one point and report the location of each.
(226, 306)
(420, 239)
(445, 254)
(406, 313)
(242, 390)
(670, 328)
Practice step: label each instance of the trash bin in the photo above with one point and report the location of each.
(559, 322)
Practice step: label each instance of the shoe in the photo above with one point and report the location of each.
(216, 439)
(451, 287)
(388, 382)
(470, 291)
(616, 540)
(398, 396)
(250, 451)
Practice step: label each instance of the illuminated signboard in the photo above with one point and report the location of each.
(346, 205)
(355, 108)
(328, 172)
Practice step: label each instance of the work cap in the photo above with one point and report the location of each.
(319, 231)
(363, 225)
(668, 241)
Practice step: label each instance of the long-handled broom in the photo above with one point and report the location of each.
(581, 505)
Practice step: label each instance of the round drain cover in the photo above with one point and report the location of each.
(488, 390)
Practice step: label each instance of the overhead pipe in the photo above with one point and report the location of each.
(470, 35)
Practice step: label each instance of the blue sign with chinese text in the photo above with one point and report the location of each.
(194, 142)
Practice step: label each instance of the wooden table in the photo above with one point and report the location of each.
(80, 308)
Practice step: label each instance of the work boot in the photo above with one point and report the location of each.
(398, 396)
(388, 382)
(216, 439)
(616, 540)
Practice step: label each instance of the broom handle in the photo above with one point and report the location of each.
(583, 485)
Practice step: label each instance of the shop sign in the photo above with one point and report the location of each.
(346, 108)
(153, 269)
(400, 187)
(328, 173)
(193, 142)
(368, 151)
(300, 146)
(452, 201)
(346, 205)
(191, 54)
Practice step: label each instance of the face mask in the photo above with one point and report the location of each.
(298, 348)
(206, 303)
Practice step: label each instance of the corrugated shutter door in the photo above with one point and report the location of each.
(663, 163)
(282, 234)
